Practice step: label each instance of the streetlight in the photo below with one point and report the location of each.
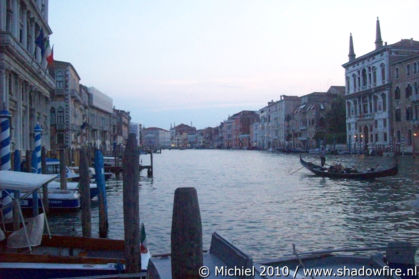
(355, 143)
(413, 147)
(362, 138)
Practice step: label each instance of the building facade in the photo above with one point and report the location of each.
(25, 83)
(121, 120)
(155, 138)
(368, 93)
(69, 108)
(405, 104)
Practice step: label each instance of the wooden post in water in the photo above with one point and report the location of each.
(85, 194)
(101, 186)
(150, 169)
(16, 167)
(28, 161)
(45, 186)
(186, 237)
(63, 180)
(131, 206)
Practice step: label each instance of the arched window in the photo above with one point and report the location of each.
(383, 73)
(52, 116)
(416, 87)
(375, 102)
(354, 81)
(383, 96)
(348, 85)
(408, 91)
(364, 77)
(397, 93)
(374, 76)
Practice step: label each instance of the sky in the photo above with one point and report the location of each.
(200, 61)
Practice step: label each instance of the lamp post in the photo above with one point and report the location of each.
(415, 134)
(362, 138)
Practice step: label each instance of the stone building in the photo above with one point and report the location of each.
(405, 103)
(120, 128)
(183, 136)
(155, 138)
(69, 108)
(100, 120)
(307, 126)
(368, 88)
(242, 121)
(25, 83)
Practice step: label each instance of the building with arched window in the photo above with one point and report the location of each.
(369, 92)
(405, 101)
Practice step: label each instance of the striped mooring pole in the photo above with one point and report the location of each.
(36, 165)
(5, 155)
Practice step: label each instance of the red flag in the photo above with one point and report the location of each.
(50, 57)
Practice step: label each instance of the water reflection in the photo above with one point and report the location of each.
(251, 198)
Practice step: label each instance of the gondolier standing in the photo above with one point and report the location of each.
(323, 156)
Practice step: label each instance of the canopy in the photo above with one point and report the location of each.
(23, 181)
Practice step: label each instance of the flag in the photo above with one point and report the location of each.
(50, 57)
(40, 42)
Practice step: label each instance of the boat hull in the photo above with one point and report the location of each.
(320, 171)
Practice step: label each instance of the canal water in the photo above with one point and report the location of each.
(253, 199)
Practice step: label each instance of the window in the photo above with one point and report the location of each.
(397, 73)
(397, 93)
(375, 124)
(383, 73)
(59, 79)
(408, 91)
(416, 87)
(365, 104)
(409, 114)
(415, 68)
(385, 137)
(374, 76)
(375, 99)
(376, 137)
(60, 138)
(385, 123)
(364, 77)
(397, 115)
(408, 69)
(398, 136)
(60, 116)
(383, 96)
(52, 116)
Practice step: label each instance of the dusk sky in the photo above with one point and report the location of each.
(201, 61)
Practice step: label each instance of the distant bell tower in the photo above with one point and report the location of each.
(351, 49)
(378, 40)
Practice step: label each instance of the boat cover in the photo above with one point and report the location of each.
(34, 228)
(23, 181)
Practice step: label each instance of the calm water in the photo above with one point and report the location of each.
(250, 198)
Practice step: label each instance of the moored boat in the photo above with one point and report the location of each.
(348, 173)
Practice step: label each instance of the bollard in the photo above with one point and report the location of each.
(63, 180)
(101, 186)
(186, 236)
(45, 186)
(131, 206)
(85, 194)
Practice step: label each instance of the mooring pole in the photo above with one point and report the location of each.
(63, 180)
(131, 206)
(101, 186)
(85, 194)
(45, 186)
(16, 167)
(186, 236)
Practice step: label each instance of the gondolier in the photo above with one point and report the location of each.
(323, 156)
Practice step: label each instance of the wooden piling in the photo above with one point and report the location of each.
(101, 186)
(28, 161)
(45, 186)
(63, 180)
(150, 169)
(16, 167)
(186, 236)
(131, 206)
(85, 194)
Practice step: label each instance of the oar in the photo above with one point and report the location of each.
(296, 170)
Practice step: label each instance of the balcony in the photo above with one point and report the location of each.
(9, 44)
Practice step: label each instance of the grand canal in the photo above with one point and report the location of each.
(251, 198)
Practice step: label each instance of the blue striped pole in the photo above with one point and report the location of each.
(5, 154)
(36, 165)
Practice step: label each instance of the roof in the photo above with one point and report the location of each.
(66, 64)
(406, 44)
(155, 129)
(23, 181)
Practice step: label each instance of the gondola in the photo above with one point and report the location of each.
(348, 173)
